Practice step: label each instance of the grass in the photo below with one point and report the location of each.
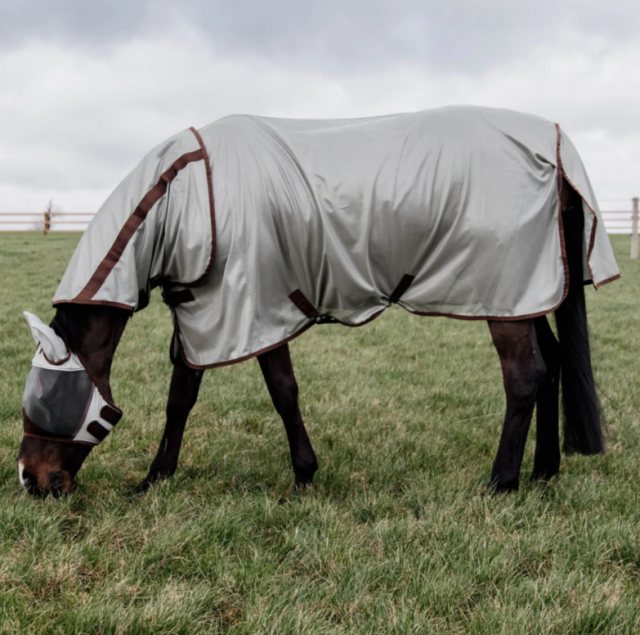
(398, 534)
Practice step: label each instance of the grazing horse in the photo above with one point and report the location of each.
(467, 212)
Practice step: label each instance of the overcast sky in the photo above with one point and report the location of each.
(88, 87)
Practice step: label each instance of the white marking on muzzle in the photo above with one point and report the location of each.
(23, 481)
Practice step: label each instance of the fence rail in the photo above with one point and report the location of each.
(45, 222)
(616, 221)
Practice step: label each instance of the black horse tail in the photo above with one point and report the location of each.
(580, 404)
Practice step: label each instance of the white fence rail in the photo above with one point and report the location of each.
(616, 221)
(44, 222)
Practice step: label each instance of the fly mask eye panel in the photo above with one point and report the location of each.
(62, 402)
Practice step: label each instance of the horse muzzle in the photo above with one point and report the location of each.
(55, 482)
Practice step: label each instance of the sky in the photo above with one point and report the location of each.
(90, 86)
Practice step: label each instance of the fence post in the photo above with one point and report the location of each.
(634, 228)
(47, 220)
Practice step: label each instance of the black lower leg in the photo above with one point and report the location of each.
(547, 456)
(183, 393)
(278, 373)
(522, 370)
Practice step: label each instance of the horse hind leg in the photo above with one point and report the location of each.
(546, 463)
(277, 370)
(523, 371)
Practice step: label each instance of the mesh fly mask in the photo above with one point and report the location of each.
(63, 403)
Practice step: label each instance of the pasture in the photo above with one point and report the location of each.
(398, 534)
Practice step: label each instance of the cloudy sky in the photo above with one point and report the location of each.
(89, 86)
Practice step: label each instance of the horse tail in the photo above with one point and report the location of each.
(580, 404)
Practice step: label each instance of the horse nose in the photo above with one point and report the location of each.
(27, 480)
(60, 483)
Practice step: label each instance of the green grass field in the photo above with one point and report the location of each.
(398, 535)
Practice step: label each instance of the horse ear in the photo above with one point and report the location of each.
(52, 344)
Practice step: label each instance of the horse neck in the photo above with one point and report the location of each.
(92, 332)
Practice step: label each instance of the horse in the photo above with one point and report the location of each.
(68, 406)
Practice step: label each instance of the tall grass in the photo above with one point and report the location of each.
(398, 535)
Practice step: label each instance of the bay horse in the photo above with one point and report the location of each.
(76, 350)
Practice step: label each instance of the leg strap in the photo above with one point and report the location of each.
(403, 285)
(302, 302)
(174, 298)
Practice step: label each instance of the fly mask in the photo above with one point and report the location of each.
(61, 401)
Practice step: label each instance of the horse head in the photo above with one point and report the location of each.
(67, 403)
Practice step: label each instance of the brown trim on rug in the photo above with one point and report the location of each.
(266, 349)
(561, 178)
(607, 281)
(492, 318)
(594, 224)
(133, 222)
(212, 212)
(244, 357)
(229, 362)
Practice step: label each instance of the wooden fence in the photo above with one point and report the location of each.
(616, 221)
(44, 222)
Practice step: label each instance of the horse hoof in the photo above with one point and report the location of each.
(543, 475)
(498, 487)
(303, 483)
(304, 476)
(142, 488)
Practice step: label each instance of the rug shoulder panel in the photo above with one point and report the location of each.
(132, 219)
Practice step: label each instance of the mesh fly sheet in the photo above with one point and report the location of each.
(258, 227)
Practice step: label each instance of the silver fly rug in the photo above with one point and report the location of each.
(257, 227)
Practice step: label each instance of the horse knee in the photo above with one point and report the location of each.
(523, 380)
(183, 391)
(179, 406)
(285, 394)
(523, 365)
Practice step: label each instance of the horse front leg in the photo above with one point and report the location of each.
(546, 462)
(183, 394)
(523, 370)
(277, 370)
